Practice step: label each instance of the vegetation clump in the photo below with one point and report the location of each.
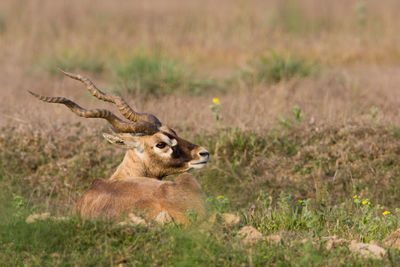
(157, 75)
(278, 67)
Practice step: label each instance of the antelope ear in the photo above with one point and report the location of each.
(120, 140)
(113, 139)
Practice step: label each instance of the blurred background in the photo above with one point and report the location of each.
(299, 96)
(334, 60)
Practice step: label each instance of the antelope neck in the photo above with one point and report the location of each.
(131, 166)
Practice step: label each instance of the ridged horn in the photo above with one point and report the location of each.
(144, 127)
(123, 107)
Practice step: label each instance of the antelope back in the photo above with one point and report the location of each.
(114, 198)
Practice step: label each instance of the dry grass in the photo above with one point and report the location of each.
(336, 96)
(357, 50)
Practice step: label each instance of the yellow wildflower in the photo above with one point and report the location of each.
(364, 202)
(300, 201)
(220, 197)
(355, 196)
(386, 212)
(215, 100)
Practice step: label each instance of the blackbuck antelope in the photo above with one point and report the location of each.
(154, 151)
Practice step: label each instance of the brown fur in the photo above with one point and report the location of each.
(152, 165)
(113, 198)
(154, 151)
(137, 185)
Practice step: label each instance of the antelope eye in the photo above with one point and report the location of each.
(161, 145)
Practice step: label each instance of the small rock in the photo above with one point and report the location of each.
(133, 220)
(334, 242)
(163, 218)
(136, 220)
(60, 218)
(37, 217)
(227, 219)
(367, 250)
(393, 240)
(274, 239)
(250, 235)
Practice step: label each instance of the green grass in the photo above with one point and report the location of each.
(329, 165)
(293, 180)
(101, 243)
(278, 67)
(157, 75)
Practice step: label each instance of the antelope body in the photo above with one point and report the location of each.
(154, 151)
(112, 198)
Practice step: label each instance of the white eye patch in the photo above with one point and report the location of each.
(170, 143)
(163, 153)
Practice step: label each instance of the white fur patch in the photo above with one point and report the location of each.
(163, 153)
(197, 165)
(170, 142)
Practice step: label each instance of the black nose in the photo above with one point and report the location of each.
(204, 154)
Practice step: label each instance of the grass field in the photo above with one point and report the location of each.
(304, 142)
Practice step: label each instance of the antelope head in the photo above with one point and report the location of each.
(153, 150)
